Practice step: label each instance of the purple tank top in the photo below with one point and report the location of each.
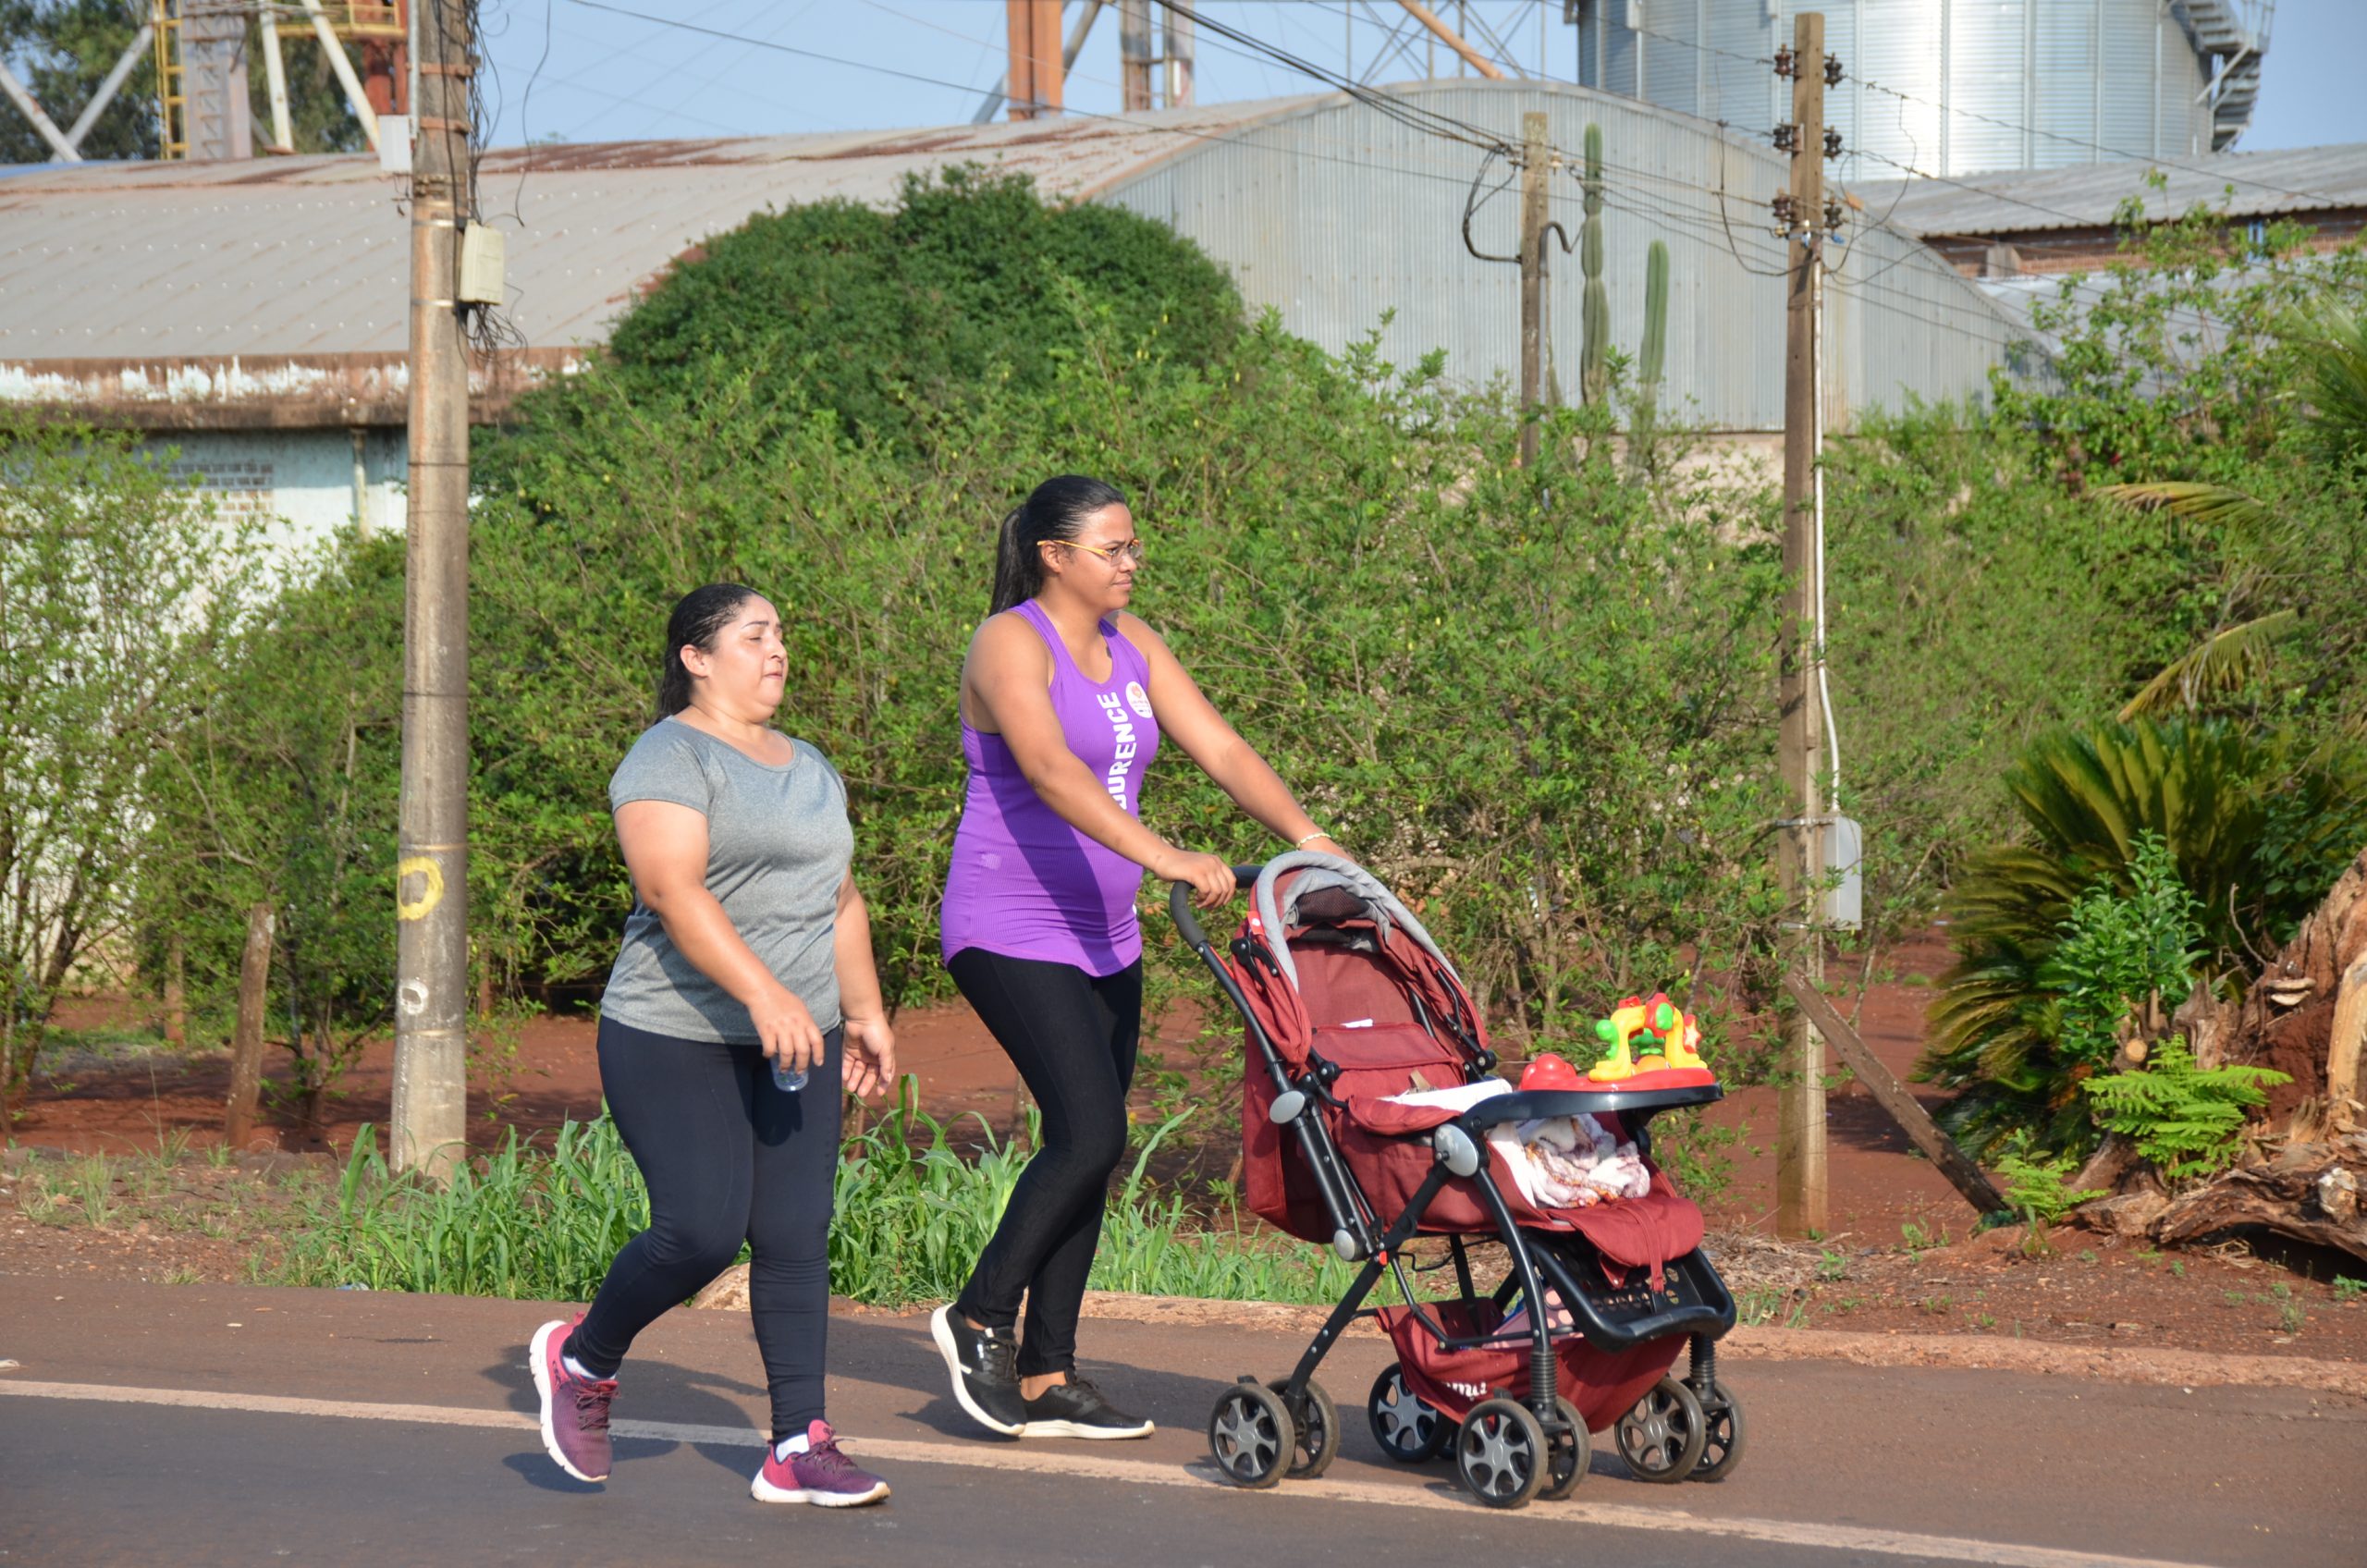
(1025, 884)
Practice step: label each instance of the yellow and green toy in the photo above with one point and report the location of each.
(1667, 1055)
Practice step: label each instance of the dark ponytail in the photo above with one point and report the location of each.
(698, 621)
(1054, 510)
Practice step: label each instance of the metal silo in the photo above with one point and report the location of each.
(1974, 85)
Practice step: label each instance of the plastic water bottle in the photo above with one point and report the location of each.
(787, 1079)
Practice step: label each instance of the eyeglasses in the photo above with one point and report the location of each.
(1130, 551)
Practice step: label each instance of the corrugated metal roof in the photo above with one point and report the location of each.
(311, 255)
(1339, 217)
(2243, 184)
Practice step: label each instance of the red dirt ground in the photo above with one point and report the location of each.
(1862, 1275)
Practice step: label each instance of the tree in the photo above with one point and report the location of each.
(119, 588)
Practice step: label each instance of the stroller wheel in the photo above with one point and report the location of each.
(1408, 1429)
(1663, 1437)
(1318, 1429)
(1569, 1452)
(1250, 1435)
(1499, 1453)
(1721, 1427)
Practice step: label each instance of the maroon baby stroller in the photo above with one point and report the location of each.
(1347, 1004)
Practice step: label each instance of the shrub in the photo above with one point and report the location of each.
(2183, 1118)
(2214, 793)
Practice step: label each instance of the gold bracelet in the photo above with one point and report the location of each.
(1318, 833)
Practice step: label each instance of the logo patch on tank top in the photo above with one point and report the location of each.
(1138, 699)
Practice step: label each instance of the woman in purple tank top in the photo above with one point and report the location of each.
(1065, 698)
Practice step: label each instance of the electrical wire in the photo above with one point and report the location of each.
(1430, 124)
(2115, 154)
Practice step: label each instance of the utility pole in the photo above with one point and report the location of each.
(1534, 153)
(1034, 28)
(430, 1114)
(1179, 56)
(1800, 1205)
(1134, 54)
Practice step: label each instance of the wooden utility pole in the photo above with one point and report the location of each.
(430, 1113)
(1034, 28)
(1799, 1138)
(1534, 153)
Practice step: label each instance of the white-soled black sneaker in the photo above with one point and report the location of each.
(984, 1365)
(1077, 1409)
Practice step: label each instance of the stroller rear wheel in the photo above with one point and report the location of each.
(1568, 1451)
(1499, 1453)
(1408, 1429)
(1663, 1437)
(1250, 1435)
(1318, 1428)
(1721, 1428)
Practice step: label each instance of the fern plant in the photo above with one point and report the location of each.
(2183, 1118)
(2038, 1187)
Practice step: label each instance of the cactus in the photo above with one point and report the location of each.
(1594, 343)
(1654, 358)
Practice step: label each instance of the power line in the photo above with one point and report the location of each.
(2117, 154)
(1694, 223)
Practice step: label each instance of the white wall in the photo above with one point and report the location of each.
(300, 482)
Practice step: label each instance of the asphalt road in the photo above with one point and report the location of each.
(205, 1425)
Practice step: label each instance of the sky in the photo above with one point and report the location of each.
(580, 70)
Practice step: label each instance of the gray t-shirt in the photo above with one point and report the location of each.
(777, 847)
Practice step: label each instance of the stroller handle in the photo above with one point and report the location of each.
(1187, 919)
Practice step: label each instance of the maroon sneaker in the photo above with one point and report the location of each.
(575, 1409)
(821, 1474)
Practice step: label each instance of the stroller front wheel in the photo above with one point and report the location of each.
(1408, 1429)
(1318, 1429)
(1721, 1428)
(1663, 1437)
(1499, 1453)
(1569, 1453)
(1251, 1436)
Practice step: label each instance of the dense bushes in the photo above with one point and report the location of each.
(1536, 702)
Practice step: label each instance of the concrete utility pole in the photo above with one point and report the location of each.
(1799, 1137)
(1134, 53)
(1534, 153)
(432, 877)
(1179, 56)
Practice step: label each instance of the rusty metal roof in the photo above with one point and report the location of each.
(2243, 184)
(309, 256)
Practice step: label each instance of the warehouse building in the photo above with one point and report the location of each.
(253, 315)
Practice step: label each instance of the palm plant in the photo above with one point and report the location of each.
(2255, 835)
(2329, 351)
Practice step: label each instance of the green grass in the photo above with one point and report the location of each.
(912, 1215)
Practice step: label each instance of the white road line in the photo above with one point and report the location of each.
(1141, 1473)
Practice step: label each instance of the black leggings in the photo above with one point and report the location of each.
(1073, 1037)
(727, 1157)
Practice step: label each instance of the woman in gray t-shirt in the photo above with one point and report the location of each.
(746, 966)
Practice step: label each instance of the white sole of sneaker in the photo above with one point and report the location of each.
(765, 1491)
(1070, 1429)
(538, 1362)
(940, 1328)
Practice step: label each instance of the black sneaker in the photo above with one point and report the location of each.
(1076, 1409)
(986, 1377)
